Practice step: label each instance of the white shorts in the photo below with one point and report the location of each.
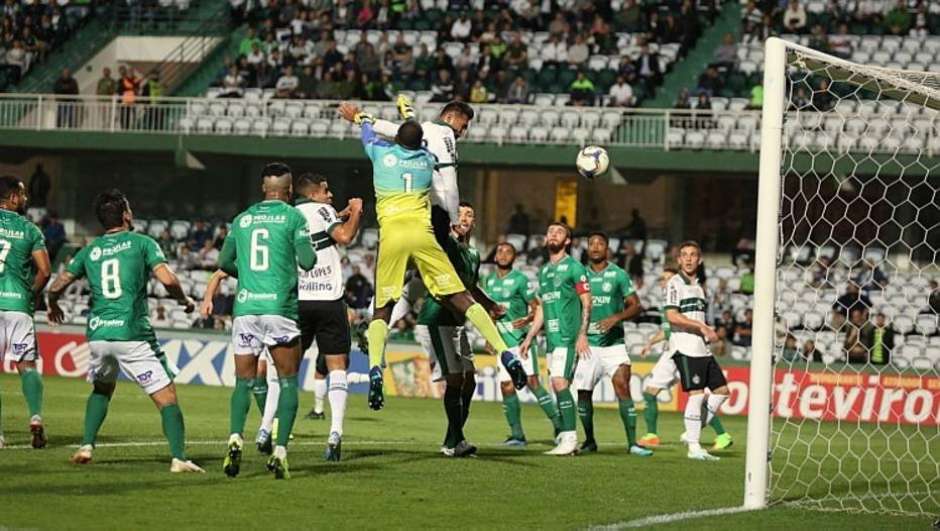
(139, 361)
(663, 375)
(448, 349)
(563, 362)
(531, 364)
(17, 337)
(603, 361)
(252, 333)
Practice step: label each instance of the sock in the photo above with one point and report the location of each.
(32, 390)
(454, 412)
(96, 409)
(716, 425)
(174, 430)
(375, 335)
(286, 409)
(319, 393)
(270, 403)
(338, 391)
(566, 409)
(466, 398)
(651, 413)
(586, 412)
(513, 412)
(260, 390)
(548, 406)
(240, 404)
(713, 403)
(693, 420)
(481, 320)
(628, 416)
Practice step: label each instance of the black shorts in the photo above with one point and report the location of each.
(698, 373)
(327, 323)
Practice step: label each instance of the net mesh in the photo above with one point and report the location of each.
(857, 354)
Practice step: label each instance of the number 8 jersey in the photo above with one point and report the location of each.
(118, 267)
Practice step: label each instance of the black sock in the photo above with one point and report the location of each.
(469, 387)
(454, 411)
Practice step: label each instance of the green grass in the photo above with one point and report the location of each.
(391, 475)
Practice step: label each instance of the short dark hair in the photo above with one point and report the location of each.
(671, 269)
(8, 186)
(562, 225)
(507, 244)
(690, 243)
(599, 234)
(110, 207)
(308, 180)
(274, 169)
(459, 106)
(410, 135)
(466, 204)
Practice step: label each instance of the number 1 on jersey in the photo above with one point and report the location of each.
(409, 181)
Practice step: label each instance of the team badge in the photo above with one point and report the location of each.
(608, 287)
(696, 380)
(390, 160)
(95, 254)
(94, 322)
(245, 221)
(242, 296)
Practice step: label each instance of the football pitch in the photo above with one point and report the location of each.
(391, 476)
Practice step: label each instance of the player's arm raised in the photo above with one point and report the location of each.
(171, 282)
(344, 233)
(537, 322)
(205, 308)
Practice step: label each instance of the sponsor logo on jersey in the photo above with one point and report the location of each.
(245, 340)
(96, 322)
(600, 300)
(99, 252)
(418, 164)
(280, 340)
(390, 160)
(244, 296)
(14, 234)
(10, 295)
(145, 378)
(20, 348)
(608, 287)
(245, 221)
(610, 274)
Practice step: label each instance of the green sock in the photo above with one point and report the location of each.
(260, 390)
(286, 409)
(481, 320)
(567, 410)
(174, 430)
(651, 413)
(95, 411)
(628, 416)
(32, 390)
(513, 412)
(240, 404)
(586, 412)
(548, 406)
(375, 335)
(716, 424)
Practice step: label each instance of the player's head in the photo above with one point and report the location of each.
(12, 194)
(466, 220)
(276, 181)
(410, 135)
(457, 115)
(690, 257)
(505, 255)
(668, 272)
(598, 247)
(113, 210)
(314, 187)
(557, 237)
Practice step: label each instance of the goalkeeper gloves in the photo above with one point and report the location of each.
(405, 109)
(363, 117)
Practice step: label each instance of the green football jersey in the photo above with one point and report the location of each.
(265, 256)
(466, 260)
(19, 238)
(118, 267)
(559, 288)
(609, 288)
(513, 294)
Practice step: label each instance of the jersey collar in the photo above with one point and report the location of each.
(302, 200)
(438, 121)
(688, 280)
(593, 272)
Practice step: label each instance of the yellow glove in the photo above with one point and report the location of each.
(362, 117)
(405, 109)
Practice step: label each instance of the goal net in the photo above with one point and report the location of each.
(846, 352)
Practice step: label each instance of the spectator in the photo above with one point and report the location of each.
(820, 273)
(920, 28)
(578, 52)
(559, 26)
(554, 52)
(358, 290)
(898, 20)
(443, 89)
(636, 230)
(850, 300)
(859, 336)
(794, 17)
(199, 234)
(742, 330)
(720, 347)
(442, 61)
(107, 86)
(461, 28)
(756, 102)
(54, 232)
(519, 222)
(167, 244)
(287, 84)
(621, 94)
(66, 88)
(818, 40)
(463, 85)
(152, 90)
(632, 262)
(871, 277)
(233, 84)
(933, 299)
(582, 91)
(208, 255)
(710, 82)
(39, 186)
(630, 17)
(810, 352)
(726, 55)
(404, 57)
(747, 279)
(478, 93)
(517, 54)
(790, 350)
(647, 68)
(17, 60)
(160, 318)
(307, 83)
(518, 91)
(249, 42)
(727, 322)
(128, 86)
(751, 16)
(882, 341)
(683, 100)
(743, 249)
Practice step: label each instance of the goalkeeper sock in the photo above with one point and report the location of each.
(548, 406)
(651, 413)
(713, 404)
(96, 409)
(338, 392)
(454, 412)
(567, 410)
(286, 409)
(240, 404)
(32, 390)
(628, 416)
(375, 335)
(174, 430)
(513, 412)
(260, 390)
(319, 393)
(693, 420)
(481, 320)
(586, 412)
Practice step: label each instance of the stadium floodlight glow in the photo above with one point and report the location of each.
(849, 170)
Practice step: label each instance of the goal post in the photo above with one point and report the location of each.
(849, 183)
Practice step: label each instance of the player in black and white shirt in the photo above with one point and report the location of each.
(320, 291)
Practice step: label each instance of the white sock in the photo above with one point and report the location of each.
(319, 391)
(280, 452)
(270, 403)
(338, 391)
(693, 420)
(399, 311)
(713, 404)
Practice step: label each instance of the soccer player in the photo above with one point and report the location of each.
(663, 376)
(613, 301)
(565, 310)
(510, 288)
(22, 249)
(321, 290)
(267, 244)
(118, 265)
(685, 310)
(402, 173)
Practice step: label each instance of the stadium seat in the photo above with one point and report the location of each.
(539, 134)
(217, 109)
(223, 126)
(570, 119)
(611, 119)
(260, 126)
(549, 118)
(236, 109)
(299, 128)
(559, 135)
(695, 139)
(281, 126)
(497, 134)
(602, 135)
(519, 133)
(370, 238)
(186, 125)
(582, 135)
(156, 227)
(319, 128)
(529, 118)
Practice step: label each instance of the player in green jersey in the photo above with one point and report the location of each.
(613, 301)
(118, 266)
(267, 244)
(510, 288)
(21, 248)
(565, 310)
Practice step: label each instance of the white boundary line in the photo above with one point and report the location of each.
(669, 518)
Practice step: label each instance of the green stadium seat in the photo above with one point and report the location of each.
(605, 79)
(547, 76)
(566, 76)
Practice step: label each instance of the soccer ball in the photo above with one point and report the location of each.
(592, 162)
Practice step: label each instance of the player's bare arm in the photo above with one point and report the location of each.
(680, 322)
(523, 322)
(653, 340)
(61, 282)
(344, 234)
(206, 307)
(43, 270)
(171, 282)
(630, 310)
(537, 322)
(581, 345)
